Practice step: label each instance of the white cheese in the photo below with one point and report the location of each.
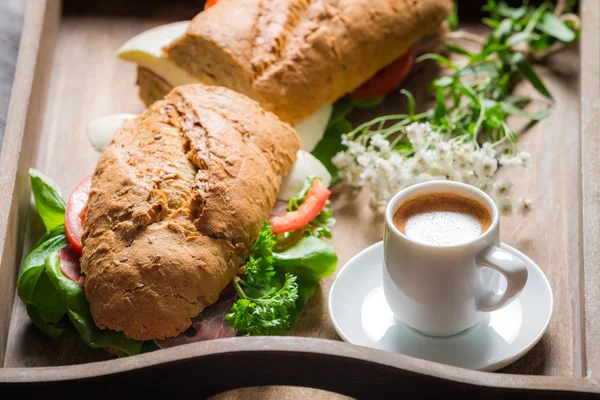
(101, 131)
(312, 129)
(145, 49)
(306, 165)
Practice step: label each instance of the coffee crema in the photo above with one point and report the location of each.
(442, 219)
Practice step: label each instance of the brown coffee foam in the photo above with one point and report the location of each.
(449, 202)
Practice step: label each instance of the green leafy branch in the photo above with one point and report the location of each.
(474, 98)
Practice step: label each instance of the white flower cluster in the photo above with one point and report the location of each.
(387, 171)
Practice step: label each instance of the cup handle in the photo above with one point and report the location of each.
(513, 269)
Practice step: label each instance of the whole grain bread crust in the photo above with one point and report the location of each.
(177, 200)
(295, 55)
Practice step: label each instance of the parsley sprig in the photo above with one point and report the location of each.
(263, 307)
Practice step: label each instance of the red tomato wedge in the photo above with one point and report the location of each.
(316, 197)
(75, 214)
(210, 3)
(387, 79)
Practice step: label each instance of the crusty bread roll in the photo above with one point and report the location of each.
(152, 87)
(293, 56)
(177, 201)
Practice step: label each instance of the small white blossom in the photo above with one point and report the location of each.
(416, 134)
(488, 150)
(487, 167)
(433, 158)
(502, 187)
(524, 205)
(380, 143)
(342, 160)
(506, 206)
(442, 150)
(367, 158)
(525, 159)
(355, 148)
(434, 138)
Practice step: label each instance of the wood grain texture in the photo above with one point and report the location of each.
(212, 367)
(23, 127)
(589, 292)
(558, 235)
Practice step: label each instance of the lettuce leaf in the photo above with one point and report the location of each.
(331, 142)
(48, 294)
(48, 200)
(311, 259)
(78, 310)
(45, 305)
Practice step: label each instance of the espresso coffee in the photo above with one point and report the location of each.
(442, 219)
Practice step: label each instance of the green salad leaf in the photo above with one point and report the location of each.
(48, 294)
(48, 200)
(78, 311)
(331, 143)
(310, 259)
(44, 304)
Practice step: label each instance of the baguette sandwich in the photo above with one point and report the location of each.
(294, 56)
(179, 235)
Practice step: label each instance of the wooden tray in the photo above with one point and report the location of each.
(68, 74)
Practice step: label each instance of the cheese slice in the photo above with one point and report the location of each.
(145, 49)
(306, 166)
(101, 131)
(312, 128)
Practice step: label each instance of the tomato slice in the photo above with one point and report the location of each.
(210, 3)
(316, 197)
(387, 79)
(74, 214)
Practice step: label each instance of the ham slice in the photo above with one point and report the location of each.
(208, 325)
(280, 208)
(69, 265)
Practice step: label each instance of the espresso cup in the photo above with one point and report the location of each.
(442, 290)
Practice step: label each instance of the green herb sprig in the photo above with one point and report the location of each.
(474, 99)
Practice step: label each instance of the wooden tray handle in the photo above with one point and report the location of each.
(204, 369)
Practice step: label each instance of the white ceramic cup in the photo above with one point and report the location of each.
(442, 290)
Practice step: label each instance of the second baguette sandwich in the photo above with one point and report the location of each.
(293, 56)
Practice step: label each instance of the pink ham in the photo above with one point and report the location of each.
(69, 265)
(280, 208)
(209, 324)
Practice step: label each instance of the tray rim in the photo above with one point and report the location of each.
(40, 29)
(293, 347)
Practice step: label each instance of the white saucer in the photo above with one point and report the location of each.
(361, 316)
